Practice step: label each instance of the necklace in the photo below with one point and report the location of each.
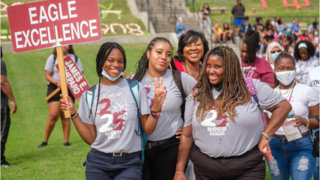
(185, 67)
(290, 94)
(152, 79)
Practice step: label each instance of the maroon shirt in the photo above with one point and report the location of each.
(261, 70)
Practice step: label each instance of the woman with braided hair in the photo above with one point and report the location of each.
(292, 150)
(253, 66)
(224, 121)
(110, 124)
(162, 147)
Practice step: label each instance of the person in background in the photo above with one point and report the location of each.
(53, 77)
(238, 14)
(180, 27)
(6, 93)
(273, 50)
(217, 33)
(244, 27)
(281, 26)
(315, 39)
(293, 157)
(292, 38)
(268, 25)
(312, 27)
(305, 61)
(267, 39)
(224, 133)
(258, 26)
(275, 21)
(295, 26)
(227, 33)
(206, 13)
(283, 40)
(253, 66)
(192, 47)
(305, 36)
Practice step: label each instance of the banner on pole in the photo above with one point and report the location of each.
(39, 25)
(75, 79)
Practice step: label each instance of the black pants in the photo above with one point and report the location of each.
(160, 161)
(5, 126)
(248, 166)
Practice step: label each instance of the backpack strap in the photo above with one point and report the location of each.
(89, 98)
(254, 94)
(134, 88)
(177, 79)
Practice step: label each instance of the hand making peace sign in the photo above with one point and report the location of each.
(160, 94)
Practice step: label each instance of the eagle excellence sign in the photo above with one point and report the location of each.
(41, 24)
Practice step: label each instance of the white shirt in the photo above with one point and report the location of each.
(302, 98)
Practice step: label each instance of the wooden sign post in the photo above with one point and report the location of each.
(63, 81)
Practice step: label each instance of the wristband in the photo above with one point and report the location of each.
(307, 123)
(74, 115)
(266, 135)
(156, 111)
(155, 115)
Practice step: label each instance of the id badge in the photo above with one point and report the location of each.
(291, 132)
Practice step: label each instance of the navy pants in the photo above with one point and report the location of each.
(106, 167)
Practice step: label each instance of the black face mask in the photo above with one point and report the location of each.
(218, 87)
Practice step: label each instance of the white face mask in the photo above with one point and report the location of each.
(286, 77)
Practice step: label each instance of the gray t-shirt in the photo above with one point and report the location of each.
(220, 136)
(50, 67)
(116, 120)
(170, 120)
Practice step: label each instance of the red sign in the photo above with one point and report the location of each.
(75, 79)
(41, 24)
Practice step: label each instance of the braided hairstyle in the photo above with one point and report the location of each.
(103, 53)
(234, 88)
(191, 36)
(282, 55)
(252, 41)
(143, 64)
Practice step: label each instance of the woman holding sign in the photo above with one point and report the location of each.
(292, 145)
(52, 75)
(108, 119)
(224, 128)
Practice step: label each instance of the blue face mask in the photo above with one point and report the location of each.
(274, 55)
(105, 74)
(316, 33)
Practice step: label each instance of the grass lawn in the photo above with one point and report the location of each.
(126, 16)
(274, 8)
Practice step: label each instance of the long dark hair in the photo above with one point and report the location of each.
(143, 64)
(252, 41)
(191, 36)
(282, 55)
(102, 56)
(70, 50)
(234, 88)
(310, 48)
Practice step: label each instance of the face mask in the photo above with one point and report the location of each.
(316, 33)
(105, 74)
(286, 77)
(274, 55)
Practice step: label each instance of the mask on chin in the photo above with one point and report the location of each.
(105, 74)
(286, 77)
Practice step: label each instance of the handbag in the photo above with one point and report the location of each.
(315, 151)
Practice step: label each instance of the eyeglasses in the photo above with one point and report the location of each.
(272, 52)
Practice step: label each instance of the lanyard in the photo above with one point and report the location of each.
(290, 93)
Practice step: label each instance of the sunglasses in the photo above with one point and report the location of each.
(272, 52)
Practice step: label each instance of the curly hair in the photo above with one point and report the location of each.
(234, 88)
(310, 48)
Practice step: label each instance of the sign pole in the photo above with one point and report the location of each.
(63, 80)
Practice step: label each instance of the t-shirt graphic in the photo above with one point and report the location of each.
(150, 94)
(216, 124)
(249, 71)
(113, 110)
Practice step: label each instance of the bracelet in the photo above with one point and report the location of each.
(156, 111)
(179, 172)
(155, 115)
(266, 135)
(74, 115)
(307, 123)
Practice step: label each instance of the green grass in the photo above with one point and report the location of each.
(126, 16)
(26, 75)
(275, 8)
